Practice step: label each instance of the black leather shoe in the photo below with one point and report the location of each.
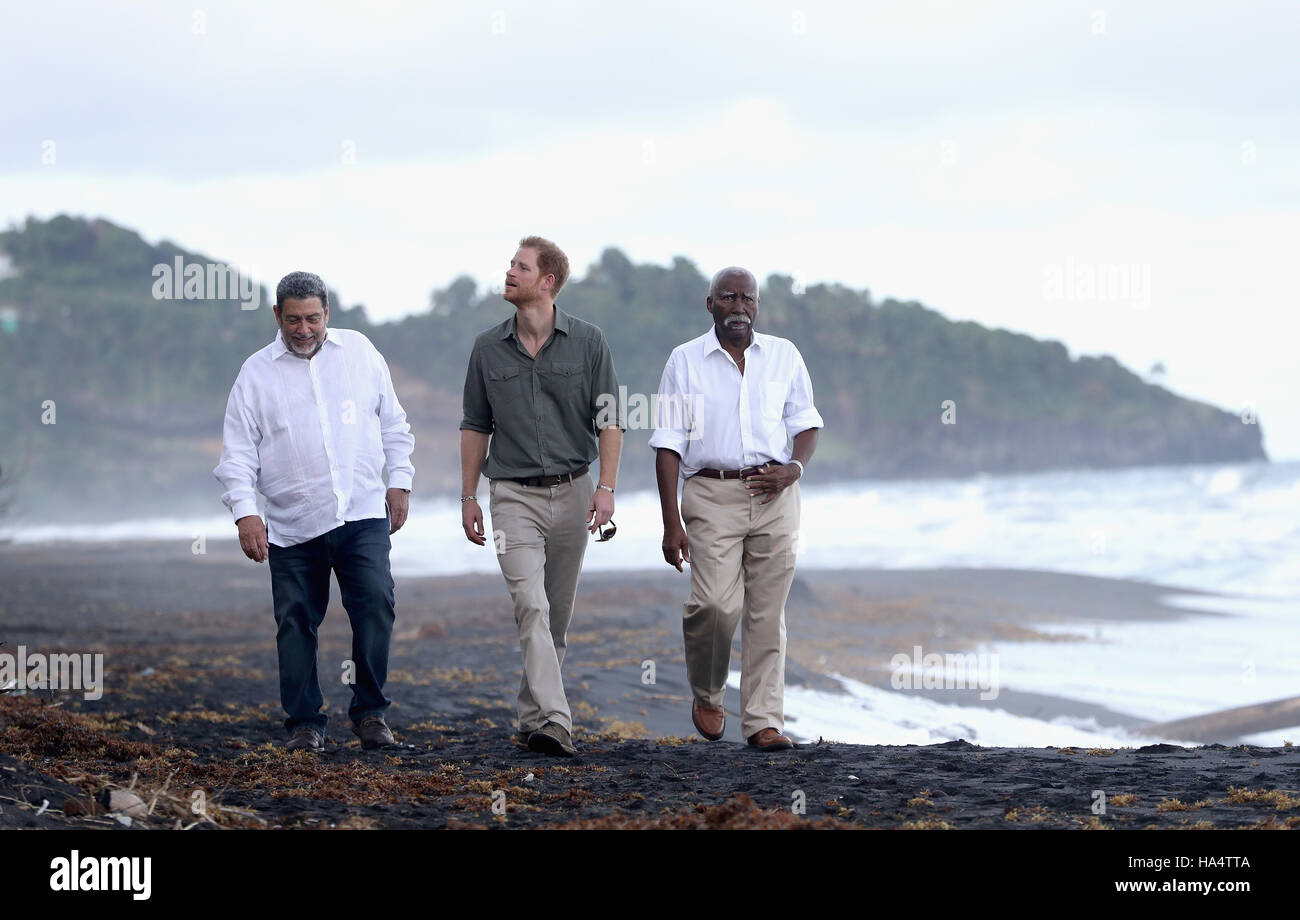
(305, 738)
(373, 732)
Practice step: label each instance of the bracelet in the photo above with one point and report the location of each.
(798, 464)
(468, 498)
(609, 489)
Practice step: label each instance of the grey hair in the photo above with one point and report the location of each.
(732, 270)
(300, 286)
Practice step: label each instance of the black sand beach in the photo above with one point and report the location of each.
(191, 706)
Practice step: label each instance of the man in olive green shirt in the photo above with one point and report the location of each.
(533, 394)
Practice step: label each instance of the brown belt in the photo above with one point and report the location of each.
(539, 481)
(710, 473)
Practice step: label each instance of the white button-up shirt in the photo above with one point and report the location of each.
(314, 436)
(714, 416)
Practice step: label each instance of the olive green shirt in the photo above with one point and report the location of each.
(541, 412)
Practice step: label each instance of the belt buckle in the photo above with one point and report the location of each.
(749, 471)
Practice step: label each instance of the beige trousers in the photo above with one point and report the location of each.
(742, 566)
(540, 536)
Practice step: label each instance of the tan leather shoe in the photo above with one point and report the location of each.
(710, 721)
(769, 739)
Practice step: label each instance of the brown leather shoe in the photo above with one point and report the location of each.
(373, 732)
(553, 739)
(769, 739)
(710, 721)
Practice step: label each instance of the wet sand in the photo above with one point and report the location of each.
(191, 704)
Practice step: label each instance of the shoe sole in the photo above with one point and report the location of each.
(545, 744)
(778, 746)
(705, 735)
(373, 745)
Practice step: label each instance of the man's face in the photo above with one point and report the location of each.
(524, 280)
(302, 324)
(734, 305)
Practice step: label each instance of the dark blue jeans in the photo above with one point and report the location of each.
(357, 552)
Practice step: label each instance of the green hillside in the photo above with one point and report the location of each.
(139, 384)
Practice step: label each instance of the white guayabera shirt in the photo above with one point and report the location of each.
(314, 436)
(714, 416)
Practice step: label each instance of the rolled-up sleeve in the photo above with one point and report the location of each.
(476, 410)
(671, 422)
(800, 411)
(239, 466)
(604, 381)
(394, 431)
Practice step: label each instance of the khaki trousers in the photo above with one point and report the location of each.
(540, 536)
(742, 566)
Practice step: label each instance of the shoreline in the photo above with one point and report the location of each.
(845, 622)
(192, 700)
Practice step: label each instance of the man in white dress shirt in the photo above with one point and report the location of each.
(311, 423)
(728, 406)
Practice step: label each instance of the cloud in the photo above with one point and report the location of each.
(941, 152)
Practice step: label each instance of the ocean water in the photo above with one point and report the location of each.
(864, 714)
(1233, 529)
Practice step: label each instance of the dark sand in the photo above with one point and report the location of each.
(191, 703)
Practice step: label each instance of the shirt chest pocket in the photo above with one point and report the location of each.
(504, 383)
(566, 380)
(774, 395)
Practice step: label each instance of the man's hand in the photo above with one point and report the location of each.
(252, 537)
(676, 547)
(399, 506)
(601, 508)
(772, 481)
(471, 520)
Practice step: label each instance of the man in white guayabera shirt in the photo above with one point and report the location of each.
(311, 423)
(727, 407)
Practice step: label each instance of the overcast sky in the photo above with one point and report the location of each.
(983, 158)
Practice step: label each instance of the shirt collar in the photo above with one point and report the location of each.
(561, 323)
(278, 348)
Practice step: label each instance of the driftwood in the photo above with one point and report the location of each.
(1228, 725)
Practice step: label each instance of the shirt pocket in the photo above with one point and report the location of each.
(566, 380)
(504, 383)
(774, 395)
